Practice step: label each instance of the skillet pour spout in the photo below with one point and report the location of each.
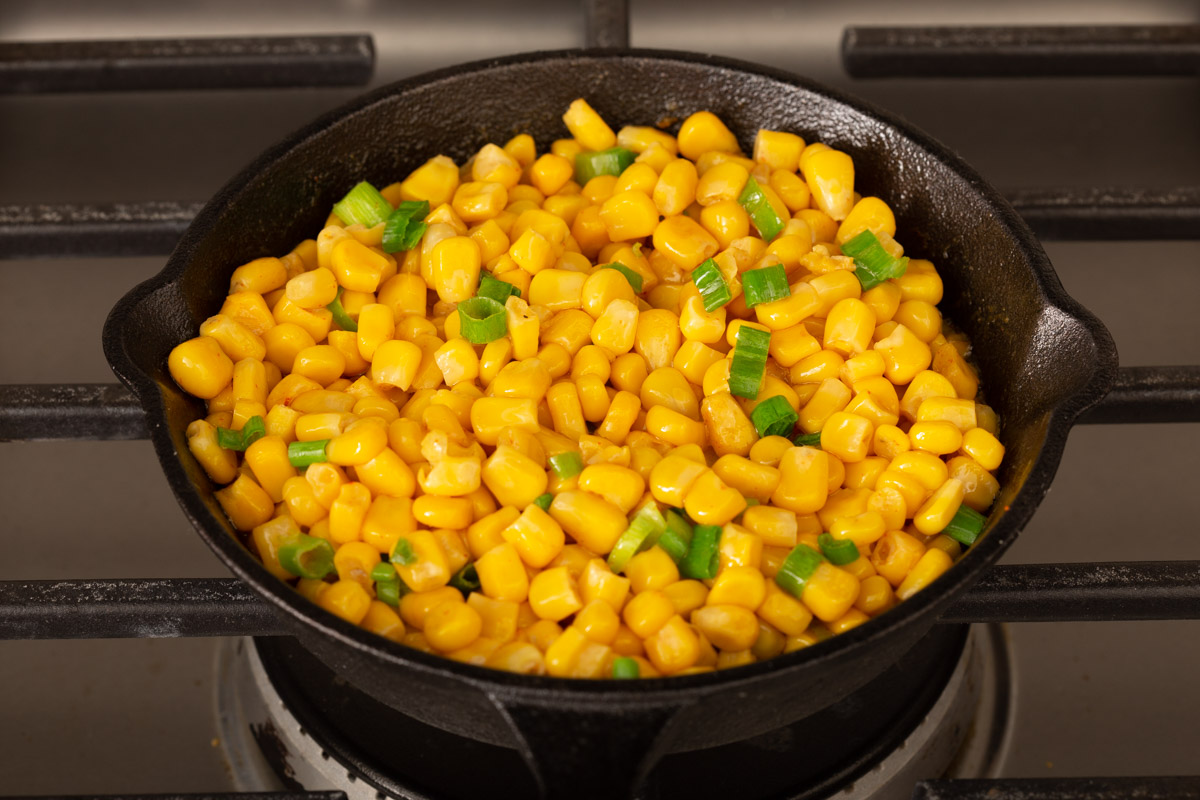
(1042, 357)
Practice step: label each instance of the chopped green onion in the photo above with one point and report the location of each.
(543, 501)
(230, 439)
(808, 440)
(482, 320)
(591, 163)
(753, 501)
(363, 205)
(307, 557)
(711, 285)
(495, 289)
(384, 572)
(466, 580)
(646, 522)
(254, 429)
(625, 668)
(390, 592)
(340, 316)
(966, 525)
(405, 226)
(301, 454)
(635, 280)
(774, 417)
(701, 561)
(403, 554)
(765, 285)
(676, 539)
(567, 464)
(838, 551)
(749, 362)
(759, 208)
(796, 569)
(872, 264)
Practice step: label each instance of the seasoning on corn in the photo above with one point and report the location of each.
(639, 406)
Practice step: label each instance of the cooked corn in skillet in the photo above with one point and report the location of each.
(637, 406)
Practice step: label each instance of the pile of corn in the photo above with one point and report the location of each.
(435, 471)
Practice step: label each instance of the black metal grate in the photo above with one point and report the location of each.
(226, 607)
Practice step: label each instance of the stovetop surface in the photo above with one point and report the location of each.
(134, 716)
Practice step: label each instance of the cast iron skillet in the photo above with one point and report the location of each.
(1044, 359)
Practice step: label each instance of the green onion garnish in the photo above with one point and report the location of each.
(808, 440)
(567, 464)
(761, 213)
(796, 569)
(482, 320)
(363, 205)
(701, 561)
(390, 592)
(677, 538)
(384, 572)
(646, 522)
(405, 226)
(966, 525)
(752, 501)
(625, 668)
(838, 551)
(543, 501)
(495, 289)
(340, 316)
(230, 439)
(301, 454)
(749, 362)
(872, 264)
(403, 554)
(254, 429)
(466, 580)
(591, 163)
(774, 417)
(711, 284)
(765, 285)
(307, 557)
(635, 280)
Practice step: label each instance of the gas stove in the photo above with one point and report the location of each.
(1090, 131)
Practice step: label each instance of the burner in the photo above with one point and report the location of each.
(287, 722)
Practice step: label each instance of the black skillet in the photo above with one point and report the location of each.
(1043, 358)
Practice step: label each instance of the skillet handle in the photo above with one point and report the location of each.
(593, 751)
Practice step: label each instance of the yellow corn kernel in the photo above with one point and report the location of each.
(627, 643)
(622, 413)
(739, 586)
(776, 527)
(201, 367)
(457, 361)
(591, 360)
(553, 594)
(889, 441)
(778, 150)
(314, 289)
(848, 327)
(864, 529)
(739, 548)
(564, 652)
(647, 612)
(322, 363)
(904, 355)
(803, 480)
(357, 267)
(657, 338)
(594, 522)
(983, 447)
(672, 479)
(387, 519)
(830, 592)
(588, 127)
(922, 318)
(251, 310)
(883, 300)
(710, 501)
(847, 436)
(220, 464)
(695, 323)
(875, 596)
(415, 606)
(694, 358)
(639, 139)
(686, 595)
(979, 486)
(593, 397)
(726, 221)
(435, 181)
(536, 536)
(895, 555)
(429, 567)
(932, 564)
(498, 617)
(354, 562)
(496, 354)
(245, 503)
(639, 177)
(513, 477)
(940, 508)
(490, 415)
(376, 325)
(598, 582)
(454, 265)
(523, 327)
(830, 176)
(235, 339)
(550, 173)
(748, 477)
(960, 413)
(347, 599)
(492, 164)
(721, 183)
(948, 362)
(381, 620)
(703, 132)
(476, 201)
(268, 460)
(282, 343)
(326, 481)
(675, 428)
(359, 443)
(347, 511)
(387, 474)
(452, 625)
(728, 428)
(920, 282)
(770, 642)
(621, 486)
(566, 410)
(801, 303)
(728, 627)
(261, 275)
(442, 512)
(925, 385)
(675, 189)
(598, 622)
(783, 611)
(629, 215)
(790, 346)
(651, 569)
(486, 533)
(939, 438)
(927, 469)
(267, 539)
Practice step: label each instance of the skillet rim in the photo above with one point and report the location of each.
(298, 611)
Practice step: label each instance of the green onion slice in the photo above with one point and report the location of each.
(482, 320)
(254, 429)
(363, 205)
(405, 226)
(796, 569)
(711, 284)
(495, 289)
(872, 264)
(591, 163)
(389, 592)
(677, 538)
(625, 668)
(543, 501)
(838, 551)
(808, 440)
(701, 561)
(635, 280)
(749, 362)
(567, 464)
(230, 439)
(966, 525)
(340, 316)
(301, 454)
(466, 580)
(403, 554)
(646, 522)
(307, 557)
(759, 208)
(774, 417)
(384, 572)
(765, 285)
